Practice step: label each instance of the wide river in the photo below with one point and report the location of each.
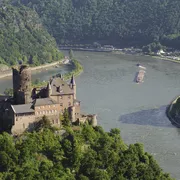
(107, 88)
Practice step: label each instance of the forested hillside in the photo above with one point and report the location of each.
(23, 37)
(122, 22)
(84, 154)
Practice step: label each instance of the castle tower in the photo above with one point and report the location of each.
(73, 85)
(49, 89)
(94, 120)
(22, 84)
(72, 113)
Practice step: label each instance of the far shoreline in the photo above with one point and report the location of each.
(8, 74)
(33, 68)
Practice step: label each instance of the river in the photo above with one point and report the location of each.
(106, 87)
(41, 74)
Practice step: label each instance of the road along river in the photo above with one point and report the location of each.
(106, 87)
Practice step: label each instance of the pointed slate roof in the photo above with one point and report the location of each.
(73, 80)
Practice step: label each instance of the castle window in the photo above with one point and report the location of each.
(61, 104)
(69, 97)
(53, 121)
(57, 121)
(24, 126)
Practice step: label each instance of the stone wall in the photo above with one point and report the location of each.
(23, 122)
(22, 85)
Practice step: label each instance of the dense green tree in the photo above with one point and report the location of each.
(66, 121)
(75, 155)
(23, 37)
(121, 22)
(8, 92)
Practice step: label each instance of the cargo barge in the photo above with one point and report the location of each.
(140, 76)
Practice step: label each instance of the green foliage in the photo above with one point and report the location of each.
(65, 119)
(23, 37)
(77, 69)
(43, 123)
(174, 111)
(71, 54)
(121, 22)
(46, 155)
(152, 47)
(8, 92)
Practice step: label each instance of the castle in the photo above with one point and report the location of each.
(28, 105)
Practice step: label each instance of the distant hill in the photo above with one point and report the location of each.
(121, 22)
(23, 37)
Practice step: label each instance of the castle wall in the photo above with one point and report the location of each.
(22, 85)
(53, 118)
(77, 112)
(65, 101)
(23, 122)
(47, 110)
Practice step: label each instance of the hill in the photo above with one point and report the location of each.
(86, 153)
(23, 37)
(119, 22)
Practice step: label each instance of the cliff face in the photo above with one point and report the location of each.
(23, 37)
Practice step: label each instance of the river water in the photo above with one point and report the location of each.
(107, 88)
(41, 75)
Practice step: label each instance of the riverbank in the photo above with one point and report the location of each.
(9, 72)
(77, 69)
(131, 51)
(172, 112)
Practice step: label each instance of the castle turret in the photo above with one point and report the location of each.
(22, 84)
(72, 113)
(61, 76)
(94, 120)
(73, 85)
(49, 89)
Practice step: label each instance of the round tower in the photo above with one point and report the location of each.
(22, 84)
(72, 113)
(94, 120)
